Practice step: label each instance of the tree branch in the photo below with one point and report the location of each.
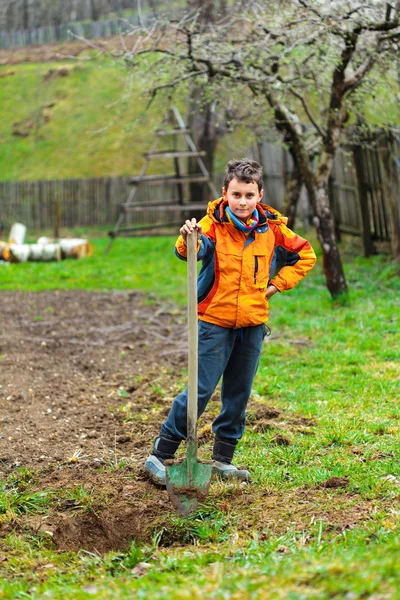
(310, 8)
(391, 37)
(177, 80)
(307, 111)
(351, 83)
(355, 10)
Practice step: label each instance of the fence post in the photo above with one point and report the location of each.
(57, 218)
(391, 182)
(363, 199)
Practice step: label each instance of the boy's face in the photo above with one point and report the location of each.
(242, 198)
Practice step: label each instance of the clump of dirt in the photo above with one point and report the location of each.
(265, 417)
(281, 440)
(336, 482)
(262, 426)
(382, 455)
(113, 529)
(54, 73)
(22, 128)
(40, 118)
(263, 412)
(121, 507)
(7, 74)
(190, 492)
(303, 421)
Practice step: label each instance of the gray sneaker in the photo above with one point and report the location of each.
(226, 471)
(155, 469)
(164, 448)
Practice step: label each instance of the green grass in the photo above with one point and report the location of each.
(335, 367)
(98, 126)
(17, 496)
(94, 130)
(143, 263)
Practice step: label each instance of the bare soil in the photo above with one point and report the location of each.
(85, 382)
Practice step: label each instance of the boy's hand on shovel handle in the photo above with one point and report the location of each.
(188, 227)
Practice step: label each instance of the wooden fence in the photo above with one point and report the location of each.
(83, 202)
(366, 192)
(96, 202)
(364, 189)
(102, 28)
(365, 195)
(277, 164)
(61, 33)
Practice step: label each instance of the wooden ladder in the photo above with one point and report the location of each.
(173, 206)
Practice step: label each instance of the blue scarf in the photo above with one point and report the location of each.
(248, 227)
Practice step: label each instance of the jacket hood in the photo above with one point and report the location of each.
(216, 212)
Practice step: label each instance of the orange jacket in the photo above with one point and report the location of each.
(236, 267)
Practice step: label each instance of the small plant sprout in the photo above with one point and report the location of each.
(77, 456)
(158, 389)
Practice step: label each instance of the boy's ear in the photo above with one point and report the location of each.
(223, 192)
(261, 194)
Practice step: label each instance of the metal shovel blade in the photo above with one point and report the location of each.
(188, 481)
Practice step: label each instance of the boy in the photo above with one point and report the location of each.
(239, 240)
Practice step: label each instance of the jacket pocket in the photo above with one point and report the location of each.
(255, 269)
(260, 271)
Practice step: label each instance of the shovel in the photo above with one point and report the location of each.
(188, 480)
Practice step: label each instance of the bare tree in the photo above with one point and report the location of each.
(306, 61)
(202, 114)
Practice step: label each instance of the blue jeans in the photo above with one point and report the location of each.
(232, 354)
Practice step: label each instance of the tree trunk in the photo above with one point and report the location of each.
(325, 225)
(201, 122)
(93, 11)
(202, 116)
(25, 12)
(292, 195)
(317, 187)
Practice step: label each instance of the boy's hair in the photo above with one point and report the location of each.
(245, 170)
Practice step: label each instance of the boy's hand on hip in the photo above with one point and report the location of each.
(188, 227)
(271, 290)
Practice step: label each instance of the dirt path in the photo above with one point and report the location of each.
(85, 382)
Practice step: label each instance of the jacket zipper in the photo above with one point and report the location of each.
(255, 269)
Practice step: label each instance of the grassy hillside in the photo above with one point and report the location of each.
(87, 118)
(80, 125)
(90, 122)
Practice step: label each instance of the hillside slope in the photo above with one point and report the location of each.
(84, 116)
(76, 119)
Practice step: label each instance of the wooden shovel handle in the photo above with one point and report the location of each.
(191, 242)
